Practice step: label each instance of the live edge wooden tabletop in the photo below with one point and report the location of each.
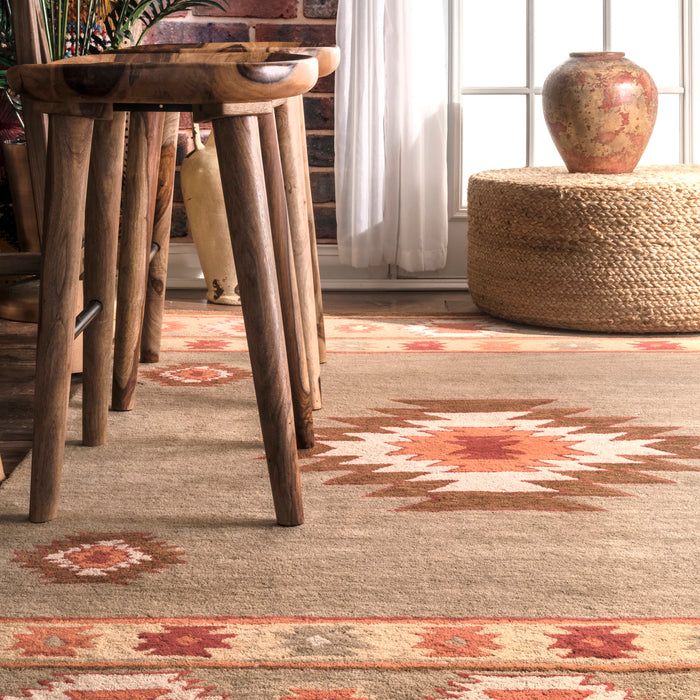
(328, 57)
(200, 78)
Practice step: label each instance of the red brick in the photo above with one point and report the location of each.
(326, 84)
(322, 187)
(176, 32)
(265, 9)
(319, 33)
(321, 150)
(318, 112)
(326, 225)
(321, 9)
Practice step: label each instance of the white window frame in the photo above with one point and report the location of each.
(689, 80)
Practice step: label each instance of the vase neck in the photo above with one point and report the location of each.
(597, 55)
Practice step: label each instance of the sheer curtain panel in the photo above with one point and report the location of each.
(391, 134)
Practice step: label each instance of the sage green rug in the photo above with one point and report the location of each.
(493, 512)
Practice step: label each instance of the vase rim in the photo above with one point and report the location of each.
(597, 54)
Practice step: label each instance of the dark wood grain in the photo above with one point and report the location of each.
(288, 130)
(32, 47)
(287, 281)
(328, 57)
(143, 156)
(318, 297)
(242, 177)
(66, 184)
(158, 268)
(101, 237)
(167, 78)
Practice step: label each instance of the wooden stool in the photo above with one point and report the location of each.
(81, 95)
(141, 296)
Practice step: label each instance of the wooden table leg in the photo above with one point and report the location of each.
(158, 269)
(288, 129)
(287, 282)
(101, 238)
(145, 139)
(313, 245)
(243, 180)
(68, 160)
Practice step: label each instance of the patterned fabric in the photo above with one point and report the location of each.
(497, 455)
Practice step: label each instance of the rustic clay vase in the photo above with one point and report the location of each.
(206, 213)
(600, 109)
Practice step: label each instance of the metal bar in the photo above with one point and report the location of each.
(88, 314)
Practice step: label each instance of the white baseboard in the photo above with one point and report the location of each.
(184, 272)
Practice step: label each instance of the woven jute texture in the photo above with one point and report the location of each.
(617, 253)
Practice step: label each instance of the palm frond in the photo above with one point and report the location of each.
(126, 13)
(158, 9)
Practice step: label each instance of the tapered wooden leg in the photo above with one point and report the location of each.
(242, 177)
(287, 281)
(145, 139)
(101, 238)
(288, 129)
(68, 160)
(320, 324)
(158, 269)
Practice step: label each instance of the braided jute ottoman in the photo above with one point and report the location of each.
(618, 253)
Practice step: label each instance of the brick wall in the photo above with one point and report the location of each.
(267, 20)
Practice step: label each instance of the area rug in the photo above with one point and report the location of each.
(493, 512)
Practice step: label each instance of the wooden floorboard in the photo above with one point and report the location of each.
(18, 348)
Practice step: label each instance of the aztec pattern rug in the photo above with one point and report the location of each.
(494, 512)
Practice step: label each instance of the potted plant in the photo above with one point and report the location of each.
(13, 159)
(73, 27)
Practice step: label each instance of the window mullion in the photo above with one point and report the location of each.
(530, 78)
(607, 25)
(686, 145)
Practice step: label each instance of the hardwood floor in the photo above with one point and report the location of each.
(18, 345)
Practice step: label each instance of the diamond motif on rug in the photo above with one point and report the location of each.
(213, 374)
(477, 687)
(453, 642)
(184, 640)
(599, 642)
(109, 557)
(497, 455)
(452, 328)
(54, 641)
(118, 686)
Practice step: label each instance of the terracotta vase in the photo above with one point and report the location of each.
(600, 109)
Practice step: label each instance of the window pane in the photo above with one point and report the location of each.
(545, 151)
(564, 27)
(664, 144)
(493, 134)
(493, 43)
(648, 31)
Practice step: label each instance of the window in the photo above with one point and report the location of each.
(503, 50)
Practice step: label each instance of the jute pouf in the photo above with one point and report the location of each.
(618, 253)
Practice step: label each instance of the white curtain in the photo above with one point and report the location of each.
(391, 133)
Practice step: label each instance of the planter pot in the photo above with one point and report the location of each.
(206, 214)
(600, 109)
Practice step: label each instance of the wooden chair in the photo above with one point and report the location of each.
(84, 97)
(141, 296)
